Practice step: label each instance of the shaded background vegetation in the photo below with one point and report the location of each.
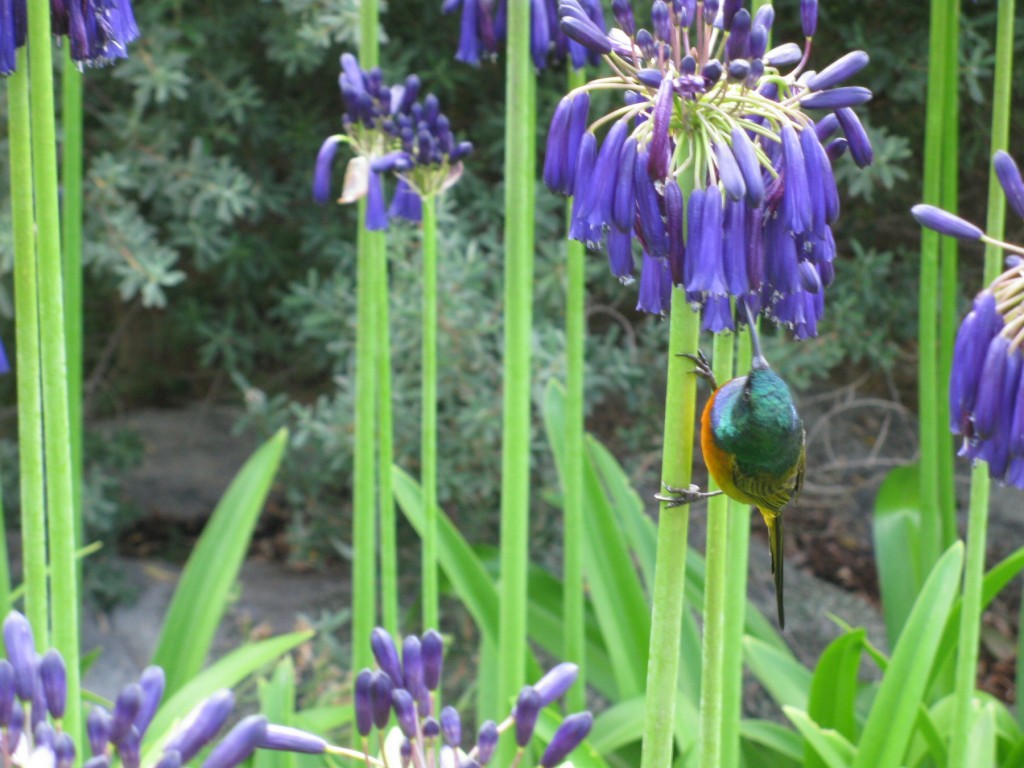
(212, 275)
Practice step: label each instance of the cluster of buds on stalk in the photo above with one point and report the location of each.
(98, 31)
(33, 697)
(986, 387)
(483, 27)
(407, 686)
(713, 162)
(391, 132)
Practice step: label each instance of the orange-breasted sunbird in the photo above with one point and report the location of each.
(753, 443)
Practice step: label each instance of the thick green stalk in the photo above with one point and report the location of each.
(71, 181)
(364, 486)
(26, 334)
(928, 371)
(364, 559)
(428, 413)
(948, 316)
(5, 566)
(977, 519)
(736, 555)
(573, 619)
(713, 649)
(56, 429)
(520, 178)
(670, 562)
(385, 438)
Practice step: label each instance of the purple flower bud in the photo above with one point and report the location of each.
(126, 707)
(860, 144)
(577, 128)
(451, 726)
(796, 193)
(988, 409)
(712, 71)
(661, 21)
(286, 739)
(380, 698)
(783, 55)
(363, 706)
(152, 682)
(739, 70)
(819, 175)
(376, 211)
(839, 70)
(486, 741)
(405, 753)
(734, 249)
(16, 726)
(765, 16)
(825, 127)
(1010, 179)
(240, 742)
(809, 17)
(707, 276)
(710, 10)
(836, 149)
(652, 78)
(54, 679)
(605, 176)
(97, 726)
(749, 166)
(945, 223)
(583, 192)
(38, 711)
(729, 171)
(21, 653)
(837, 98)
(730, 10)
(570, 734)
(587, 34)
(201, 724)
(564, 674)
(758, 42)
(624, 197)
(431, 728)
(322, 170)
(44, 734)
(556, 158)
(694, 230)
(654, 235)
(412, 666)
(686, 11)
(433, 658)
(620, 254)
(780, 258)
(655, 293)
(737, 46)
(559, 678)
(972, 343)
(405, 711)
(6, 691)
(540, 34)
(623, 13)
(103, 761)
(659, 149)
(469, 42)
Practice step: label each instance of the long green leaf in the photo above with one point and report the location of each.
(618, 598)
(620, 724)
(786, 679)
(889, 726)
(321, 720)
(834, 689)
(202, 594)
(224, 673)
(981, 741)
(896, 532)
(833, 749)
(775, 737)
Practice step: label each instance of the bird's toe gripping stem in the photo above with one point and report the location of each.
(703, 367)
(677, 497)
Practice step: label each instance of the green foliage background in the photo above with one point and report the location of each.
(212, 274)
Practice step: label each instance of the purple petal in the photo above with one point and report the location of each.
(856, 136)
(838, 71)
(837, 98)
(1010, 179)
(945, 223)
(570, 734)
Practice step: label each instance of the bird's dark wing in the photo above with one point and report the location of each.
(770, 491)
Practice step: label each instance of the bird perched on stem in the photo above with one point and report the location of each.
(753, 443)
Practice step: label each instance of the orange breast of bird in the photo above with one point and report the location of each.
(719, 462)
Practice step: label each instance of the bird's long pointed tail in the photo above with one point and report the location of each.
(774, 522)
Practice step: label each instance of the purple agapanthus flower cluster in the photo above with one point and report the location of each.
(483, 27)
(986, 386)
(713, 163)
(406, 687)
(98, 31)
(33, 696)
(391, 132)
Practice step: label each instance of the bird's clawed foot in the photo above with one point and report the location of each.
(703, 368)
(680, 496)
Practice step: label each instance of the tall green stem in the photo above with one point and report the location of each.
(573, 619)
(26, 330)
(928, 371)
(712, 672)
(428, 417)
(948, 316)
(520, 179)
(385, 439)
(364, 556)
(364, 559)
(736, 556)
(670, 562)
(977, 519)
(71, 180)
(56, 430)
